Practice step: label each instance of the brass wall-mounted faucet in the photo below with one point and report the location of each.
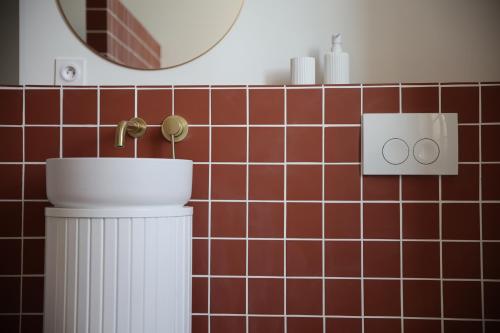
(135, 127)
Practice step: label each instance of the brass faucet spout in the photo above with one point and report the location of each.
(135, 127)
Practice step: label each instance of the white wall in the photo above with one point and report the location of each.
(389, 41)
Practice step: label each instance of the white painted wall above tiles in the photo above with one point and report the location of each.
(389, 41)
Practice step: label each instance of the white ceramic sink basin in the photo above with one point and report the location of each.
(118, 182)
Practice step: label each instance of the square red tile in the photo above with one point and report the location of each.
(304, 182)
(192, 104)
(342, 182)
(491, 300)
(267, 106)
(465, 186)
(468, 143)
(381, 259)
(347, 325)
(463, 326)
(80, 142)
(376, 325)
(304, 297)
(107, 147)
(10, 323)
(42, 106)
(154, 105)
(342, 144)
(200, 257)
(343, 258)
(493, 326)
(33, 256)
(34, 218)
(200, 218)
(200, 182)
(34, 182)
(380, 187)
(304, 258)
(80, 106)
(266, 324)
(460, 221)
(152, 145)
(422, 325)
(420, 221)
(304, 220)
(227, 295)
(304, 324)
(491, 221)
(381, 221)
(304, 144)
(462, 299)
(420, 100)
(11, 263)
(343, 297)
(266, 182)
(11, 109)
(342, 220)
(265, 258)
(10, 178)
(41, 143)
(11, 219)
(304, 106)
(265, 219)
(227, 257)
(380, 100)
(265, 296)
(229, 106)
(421, 259)
(193, 147)
(229, 144)
(420, 187)
(421, 298)
(461, 100)
(9, 289)
(228, 181)
(382, 298)
(490, 176)
(228, 219)
(490, 103)
(490, 136)
(266, 144)
(491, 264)
(461, 260)
(227, 324)
(200, 292)
(32, 299)
(342, 105)
(13, 149)
(116, 105)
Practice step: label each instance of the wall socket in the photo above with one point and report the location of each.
(70, 72)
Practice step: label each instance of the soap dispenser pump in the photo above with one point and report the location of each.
(336, 63)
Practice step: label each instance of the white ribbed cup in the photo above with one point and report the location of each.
(303, 70)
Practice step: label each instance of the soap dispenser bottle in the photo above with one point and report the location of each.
(336, 63)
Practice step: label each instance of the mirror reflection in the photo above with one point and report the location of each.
(150, 34)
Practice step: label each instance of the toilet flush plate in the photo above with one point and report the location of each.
(410, 144)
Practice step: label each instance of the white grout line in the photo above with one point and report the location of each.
(481, 249)
(209, 205)
(23, 184)
(135, 116)
(361, 227)
(323, 236)
(285, 170)
(98, 121)
(247, 221)
(61, 115)
(440, 224)
(400, 194)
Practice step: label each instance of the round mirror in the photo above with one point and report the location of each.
(150, 34)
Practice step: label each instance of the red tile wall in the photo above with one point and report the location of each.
(288, 236)
(114, 32)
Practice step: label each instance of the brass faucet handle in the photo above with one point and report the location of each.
(176, 127)
(135, 127)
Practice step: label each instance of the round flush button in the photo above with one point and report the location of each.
(395, 151)
(426, 151)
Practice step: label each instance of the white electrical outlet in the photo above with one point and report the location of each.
(70, 72)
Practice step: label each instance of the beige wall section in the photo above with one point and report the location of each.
(9, 36)
(185, 29)
(75, 11)
(389, 41)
